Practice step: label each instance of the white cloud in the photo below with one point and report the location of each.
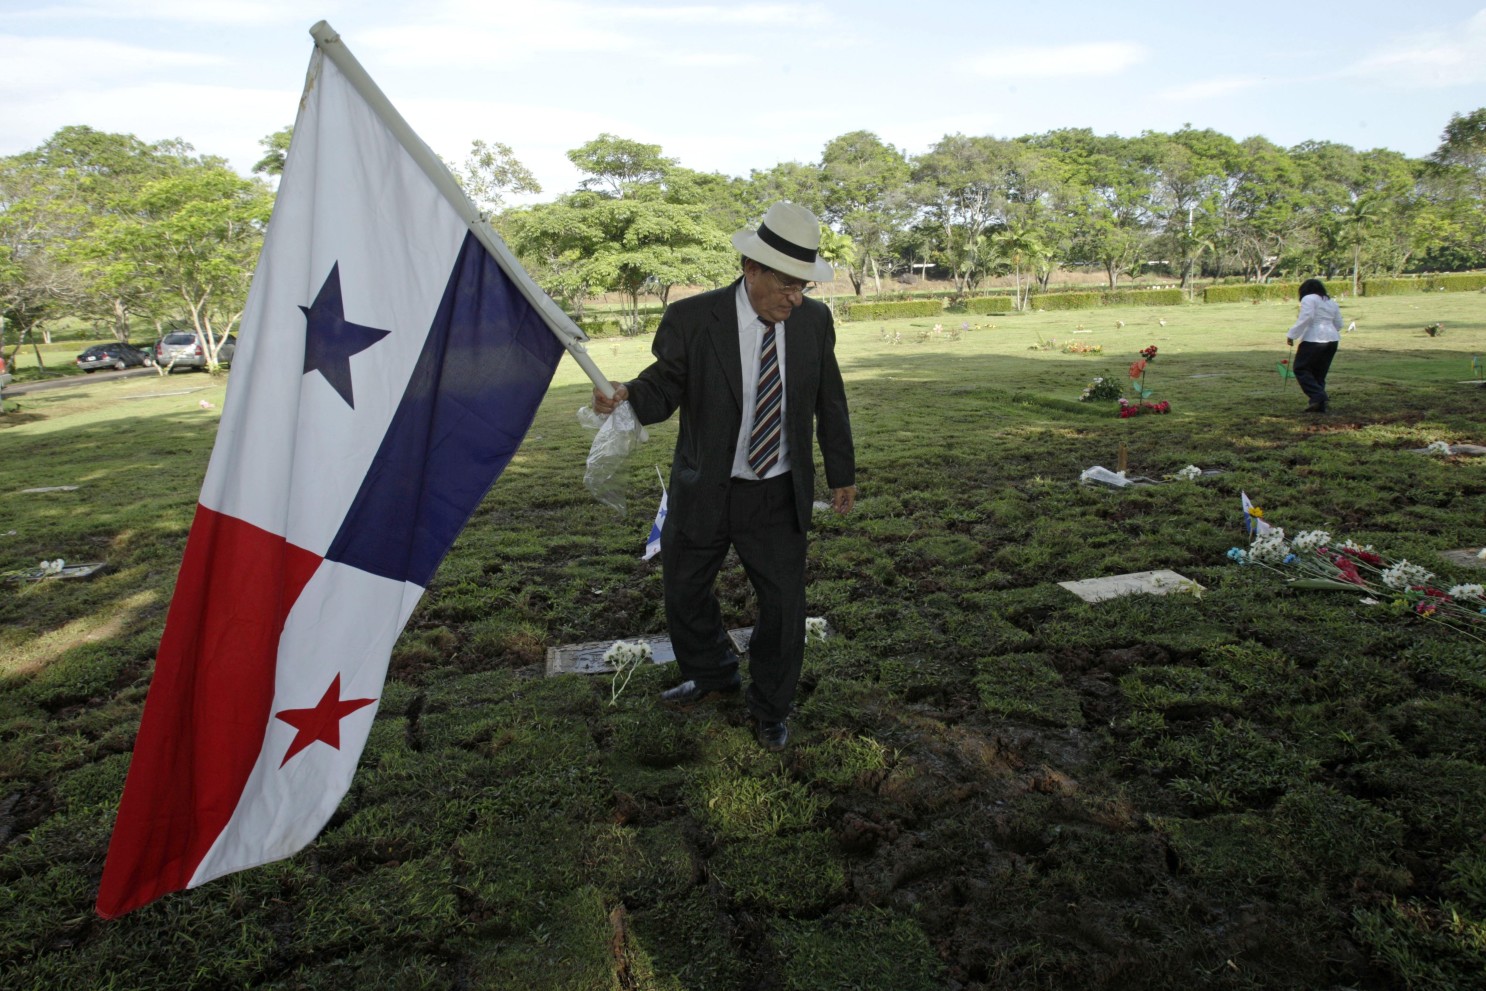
(508, 31)
(763, 15)
(489, 33)
(1209, 88)
(708, 60)
(1434, 59)
(216, 120)
(235, 12)
(40, 65)
(1099, 58)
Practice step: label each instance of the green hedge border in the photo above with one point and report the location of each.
(894, 310)
(1107, 297)
(988, 304)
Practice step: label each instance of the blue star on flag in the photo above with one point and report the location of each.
(330, 339)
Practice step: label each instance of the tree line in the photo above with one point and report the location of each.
(123, 233)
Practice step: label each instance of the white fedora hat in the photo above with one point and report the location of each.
(787, 241)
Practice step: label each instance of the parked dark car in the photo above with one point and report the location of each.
(115, 355)
(183, 350)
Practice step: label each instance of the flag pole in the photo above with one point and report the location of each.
(561, 325)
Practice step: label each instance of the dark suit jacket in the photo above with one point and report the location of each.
(698, 371)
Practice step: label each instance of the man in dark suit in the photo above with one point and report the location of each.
(752, 368)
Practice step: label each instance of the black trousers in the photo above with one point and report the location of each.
(1312, 362)
(761, 524)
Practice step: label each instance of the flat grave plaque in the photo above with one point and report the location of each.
(1467, 556)
(588, 658)
(1454, 449)
(68, 571)
(1113, 586)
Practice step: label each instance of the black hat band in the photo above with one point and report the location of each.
(786, 247)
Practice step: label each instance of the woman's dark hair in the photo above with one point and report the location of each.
(1313, 287)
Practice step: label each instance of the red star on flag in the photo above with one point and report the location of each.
(323, 722)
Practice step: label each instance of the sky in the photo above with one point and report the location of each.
(735, 87)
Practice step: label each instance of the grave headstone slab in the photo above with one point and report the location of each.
(1468, 556)
(1162, 582)
(588, 658)
(1472, 449)
(68, 571)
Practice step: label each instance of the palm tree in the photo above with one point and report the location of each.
(1360, 218)
(1019, 245)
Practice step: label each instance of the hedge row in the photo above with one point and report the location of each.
(1251, 291)
(1065, 301)
(1457, 282)
(894, 311)
(1392, 287)
(1290, 291)
(988, 304)
(1144, 297)
(1452, 282)
(611, 328)
(1108, 297)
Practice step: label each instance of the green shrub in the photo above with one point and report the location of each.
(1144, 297)
(894, 311)
(1065, 301)
(1392, 287)
(1252, 291)
(1456, 282)
(988, 304)
(611, 327)
(1448, 282)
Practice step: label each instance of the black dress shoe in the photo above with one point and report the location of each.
(690, 693)
(773, 735)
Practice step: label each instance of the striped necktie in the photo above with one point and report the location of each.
(763, 442)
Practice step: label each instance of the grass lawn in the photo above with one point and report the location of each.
(991, 784)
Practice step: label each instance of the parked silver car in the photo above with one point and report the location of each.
(181, 349)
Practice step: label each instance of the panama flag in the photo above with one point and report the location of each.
(652, 543)
(387, 372)
(1252, 521)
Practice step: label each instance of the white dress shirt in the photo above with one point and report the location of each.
(750, 341)
(1320, 321)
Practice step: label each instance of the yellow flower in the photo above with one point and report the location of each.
(1256, 512)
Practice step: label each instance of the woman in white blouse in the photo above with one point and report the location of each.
(1318, 329)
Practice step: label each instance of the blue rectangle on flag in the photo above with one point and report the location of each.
(485, 366)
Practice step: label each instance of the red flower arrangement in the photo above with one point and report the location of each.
(1140, 404)
(1365, 556)
(1129, 409)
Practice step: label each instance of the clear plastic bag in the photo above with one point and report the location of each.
(617, 434)
(1103, 475)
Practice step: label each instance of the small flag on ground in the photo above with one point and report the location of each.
(388, 370)
(1253, 521)
(652, 544)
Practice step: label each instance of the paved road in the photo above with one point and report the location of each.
(62, 381)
